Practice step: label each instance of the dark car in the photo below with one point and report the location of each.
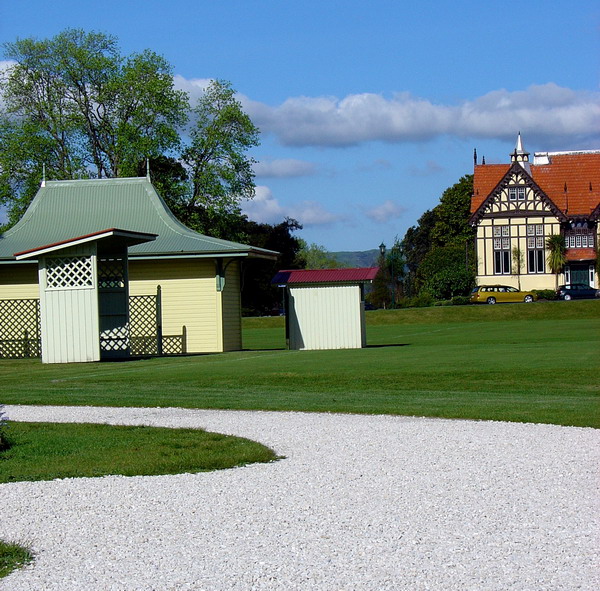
(577, 291)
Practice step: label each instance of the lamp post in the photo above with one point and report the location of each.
(382, 250)
(393, 252)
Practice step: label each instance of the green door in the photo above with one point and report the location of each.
(580, 274)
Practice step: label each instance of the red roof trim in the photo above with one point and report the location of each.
(86, 237)
(355, 275)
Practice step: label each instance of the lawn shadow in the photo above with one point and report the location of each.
(390, 345)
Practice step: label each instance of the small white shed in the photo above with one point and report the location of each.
(325, 308)
(84, 291)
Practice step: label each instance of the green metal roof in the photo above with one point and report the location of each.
(62, 210)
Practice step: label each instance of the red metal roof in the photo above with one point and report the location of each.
(356, 275)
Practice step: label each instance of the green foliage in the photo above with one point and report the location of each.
(77, 106)
(4, 440)
(444, 273)
(557, 254)
(220, 172)
(546, 294)
(259, 297)
(12, 557)
(45, 451)
(387, 289)
(452, 213)
(314, 256)
(445, 227)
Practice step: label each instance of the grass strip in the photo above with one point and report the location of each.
(12, 557)
(45, 451)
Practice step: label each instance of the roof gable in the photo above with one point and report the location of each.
(63, 209)
(497, 203)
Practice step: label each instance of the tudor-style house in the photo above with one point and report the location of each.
(516, 207)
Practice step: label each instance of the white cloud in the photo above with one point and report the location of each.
(195, 87)
(265, 208)
(385, 212)
(283, 168)
(542, 111)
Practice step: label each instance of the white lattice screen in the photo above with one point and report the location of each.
(72, 271)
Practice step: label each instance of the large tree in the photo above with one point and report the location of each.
(78, 107)
(220, 170)
(439, 250)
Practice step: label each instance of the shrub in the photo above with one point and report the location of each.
(460, 300)
(3, 437)
(545, 294)
(423, 300)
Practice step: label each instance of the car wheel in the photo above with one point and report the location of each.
(567, 297)
(491, 300)
(528, 299)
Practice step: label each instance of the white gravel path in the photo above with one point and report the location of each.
(359, 503)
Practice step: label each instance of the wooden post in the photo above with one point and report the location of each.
(159, 336)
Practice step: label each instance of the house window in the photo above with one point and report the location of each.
(502, 250)
(579, 238)
(516, 193)
(535, 260)
(535, 249)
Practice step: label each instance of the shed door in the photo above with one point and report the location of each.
(113, 307)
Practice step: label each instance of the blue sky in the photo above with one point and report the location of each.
(368, 110)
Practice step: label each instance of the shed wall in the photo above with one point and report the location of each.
(69, 313)
(326, 317)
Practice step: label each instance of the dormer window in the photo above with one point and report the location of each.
(516, 193)
(579, 238)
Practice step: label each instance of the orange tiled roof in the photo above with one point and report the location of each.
(579, 173)
(580, 254)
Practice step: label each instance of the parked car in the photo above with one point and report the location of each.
(577, 291)
(492, 294)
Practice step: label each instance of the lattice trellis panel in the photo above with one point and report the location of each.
(173, 345)
(64, 272)
(116, 339)
(111, 273)
(143, 326)
(20, 332)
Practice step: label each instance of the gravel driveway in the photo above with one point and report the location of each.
(359, 503)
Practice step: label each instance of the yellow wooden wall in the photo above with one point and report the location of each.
(189, 298)
(19, 281)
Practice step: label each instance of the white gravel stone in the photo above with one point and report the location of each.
(359, 503)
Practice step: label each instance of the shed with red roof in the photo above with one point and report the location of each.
(325, 308)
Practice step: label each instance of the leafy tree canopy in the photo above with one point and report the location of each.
(314, 256)
(78, 107)
(442, 242)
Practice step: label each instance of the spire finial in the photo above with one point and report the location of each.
(475, 156)
(43, 174)
(148, 168)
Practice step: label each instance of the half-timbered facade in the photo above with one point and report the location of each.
(516, 207)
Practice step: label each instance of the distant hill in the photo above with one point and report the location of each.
(365, 258)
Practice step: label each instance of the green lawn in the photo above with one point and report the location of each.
(519, 362)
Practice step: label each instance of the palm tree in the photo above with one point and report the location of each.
(555, 244)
